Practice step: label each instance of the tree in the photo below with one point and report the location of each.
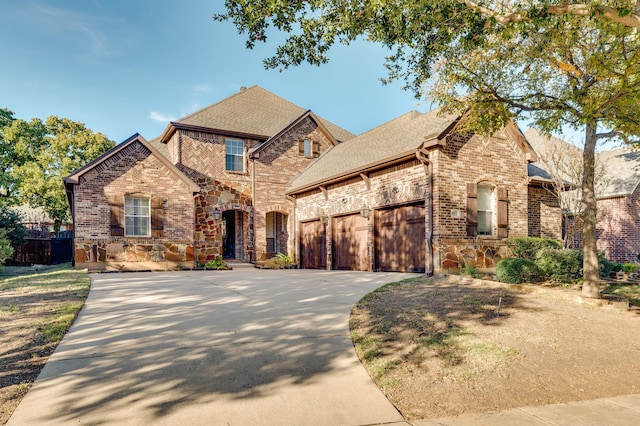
(553, 61)
(11, 224)
(39, 154)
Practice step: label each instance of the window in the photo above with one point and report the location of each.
(234, 160)
(308, 148)
(137, 217)
(486, 205)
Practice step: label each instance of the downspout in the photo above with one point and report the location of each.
(428, 167)
(252, 217)
(293, 200)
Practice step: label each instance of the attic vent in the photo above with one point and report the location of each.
(243, 88)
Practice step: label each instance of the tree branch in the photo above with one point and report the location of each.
(632, 20)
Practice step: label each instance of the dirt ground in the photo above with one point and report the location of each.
(438, 348)
(23, 350)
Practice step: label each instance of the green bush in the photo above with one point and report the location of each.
(5, 247)
(528, 247)
(286, 260)
(630, 268)
(470, 271)
(560, 266)
(217, 263)
(517, 270)
(606, 266)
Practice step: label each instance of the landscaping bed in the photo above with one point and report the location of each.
(443, 347)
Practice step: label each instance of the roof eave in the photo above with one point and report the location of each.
(353, 172)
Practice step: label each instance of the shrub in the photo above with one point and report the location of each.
(528, 247)
(560, 266)
(5, 247)
(516, 270)
(11, 222)
(217, 263)
(606, 266)
(286, 260)
(630, 268)
(470, 270)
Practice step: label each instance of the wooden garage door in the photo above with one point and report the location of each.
(350, 243)
(313, 245)
(400, 239)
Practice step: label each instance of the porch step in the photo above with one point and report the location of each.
(241, 265)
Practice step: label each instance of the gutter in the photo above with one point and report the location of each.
(428, 166)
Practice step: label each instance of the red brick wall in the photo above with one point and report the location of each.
(132, 171)
(545, 214)
(618, 228)
(276, 165)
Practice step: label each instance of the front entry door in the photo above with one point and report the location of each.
(229, 234)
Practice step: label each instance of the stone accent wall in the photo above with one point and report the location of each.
(618, 229)
(203, 159)
(276, 165)
(132, 171)
(545, 214)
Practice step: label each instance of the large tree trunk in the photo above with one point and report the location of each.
(590, 266)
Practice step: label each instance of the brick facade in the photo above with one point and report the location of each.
(273, 168)
(544, 211)
(132, 171)
(617, 228)
(499, 162)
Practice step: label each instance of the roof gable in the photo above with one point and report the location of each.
(396, 139)
(254, 112)
(255, 152)
(622, 172)
(74, 178)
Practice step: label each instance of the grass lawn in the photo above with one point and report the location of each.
(37, 307)
(631, 292)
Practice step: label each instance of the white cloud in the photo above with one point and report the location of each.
(160, 117)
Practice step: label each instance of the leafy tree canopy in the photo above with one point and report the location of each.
(36, 155)
(12, 227)
(557, 62)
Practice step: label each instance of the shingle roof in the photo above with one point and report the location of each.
(254, 111)
(622, 172)
(554, 154)
(401, 136)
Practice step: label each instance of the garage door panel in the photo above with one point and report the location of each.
(400, 239)
(313, 247)
(350, 234)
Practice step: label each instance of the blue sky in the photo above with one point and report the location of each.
(123, 67)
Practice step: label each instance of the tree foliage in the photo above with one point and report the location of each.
(36, 155)
(556, 62)
(11, 224)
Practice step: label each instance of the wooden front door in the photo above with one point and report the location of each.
(349, 243)
(313, 245)
(400, 239)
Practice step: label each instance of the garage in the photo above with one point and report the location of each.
(400, 239)
(349, 242)
(313, 245)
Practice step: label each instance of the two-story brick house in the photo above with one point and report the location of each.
(211, 185)
(254, 175)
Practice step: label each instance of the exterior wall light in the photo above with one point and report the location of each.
(324, 219)
(216, 214)
(365, 212)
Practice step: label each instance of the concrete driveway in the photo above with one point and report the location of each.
(243, 347)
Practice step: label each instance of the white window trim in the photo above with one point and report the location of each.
(236, 155)
(493, 210)
(128, 214)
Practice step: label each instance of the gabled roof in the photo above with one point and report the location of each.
(554, 156)
(396, 139)
(255, 151)
(253, 112)
(74, 178)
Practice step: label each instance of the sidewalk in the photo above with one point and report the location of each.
(615, 411)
